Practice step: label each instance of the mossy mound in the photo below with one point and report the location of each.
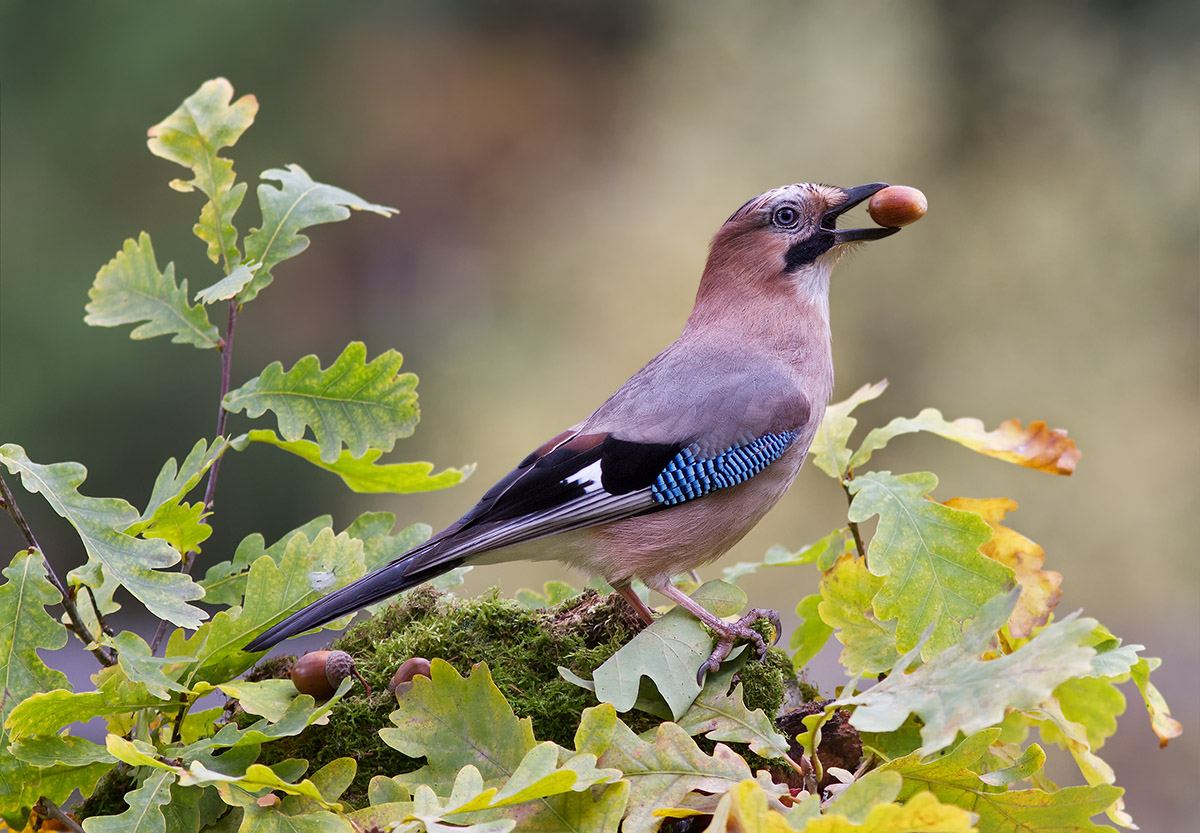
(523, 649)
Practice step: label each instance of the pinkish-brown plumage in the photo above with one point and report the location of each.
(688, 455)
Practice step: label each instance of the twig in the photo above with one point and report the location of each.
(103, 625)
(177, 724)
(48, 809)
(77, 626)
(210, 488)
(226, 372)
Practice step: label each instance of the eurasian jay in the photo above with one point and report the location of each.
(689, 454)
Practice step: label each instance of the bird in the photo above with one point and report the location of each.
(688, 455)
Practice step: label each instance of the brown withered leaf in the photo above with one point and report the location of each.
(1037, 447)
(1040, 589)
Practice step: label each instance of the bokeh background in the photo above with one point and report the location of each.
(560, 166)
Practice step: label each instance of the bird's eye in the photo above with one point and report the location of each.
(785, 217)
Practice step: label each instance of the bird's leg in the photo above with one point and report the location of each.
(635, 601)
(727, 632)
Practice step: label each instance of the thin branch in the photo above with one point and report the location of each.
(48, 809)
(226, 373)
(210, 488)
(103, 625)
(77, 626)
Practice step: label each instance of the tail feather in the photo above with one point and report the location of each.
(386, 581)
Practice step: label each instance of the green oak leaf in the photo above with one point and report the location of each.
(175, 480)
(457, 722)
(661, 771)
(22, 784)
(777, 556)
(256, 777)
(380, 547)
(540, 774)
(1056, 728)
(454, 721)
(131, 561)
(25, 629)
(957, 691)
(129, 289)
(829, 447)
(1093, 702)
(225, 582)
(144, 814)
(258, 819)
(193, 136)
(935, 574)
(872, 789)
(227, 287)
(354, 403)
(302, 712)
(811, 635)
(306, 572)
(720, 714)
(46, 712)
(384, 790)
(1024, 768)
(296, 204)
(847, 590)
(182, 812)
(64, 750)
(331, 781)
(158, 674)
(362, 474)
(667, 653)
(181, 525)
(267, 698)
(953, 778)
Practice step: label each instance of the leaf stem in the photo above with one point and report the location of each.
(210, 487)
(858, 541)
(77, 626)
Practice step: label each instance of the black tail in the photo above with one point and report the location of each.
(386, 581)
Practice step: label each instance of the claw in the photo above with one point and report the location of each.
(728, 634)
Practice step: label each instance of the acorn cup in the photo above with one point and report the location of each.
(319, 673)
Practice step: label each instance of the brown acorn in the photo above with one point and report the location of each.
(319, 673)
(897, 205)
(402, 679)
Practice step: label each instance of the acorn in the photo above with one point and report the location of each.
(319, 673)
(897, 205)
(402, 679)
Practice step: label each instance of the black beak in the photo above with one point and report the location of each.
(853, 197)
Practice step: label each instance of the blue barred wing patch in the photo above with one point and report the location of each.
(686, 477)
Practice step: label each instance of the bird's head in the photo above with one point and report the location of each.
(784, 243)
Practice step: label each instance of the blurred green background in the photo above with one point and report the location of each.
(560, 167)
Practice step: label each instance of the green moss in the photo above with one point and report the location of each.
(522, 648)
(763, 683)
